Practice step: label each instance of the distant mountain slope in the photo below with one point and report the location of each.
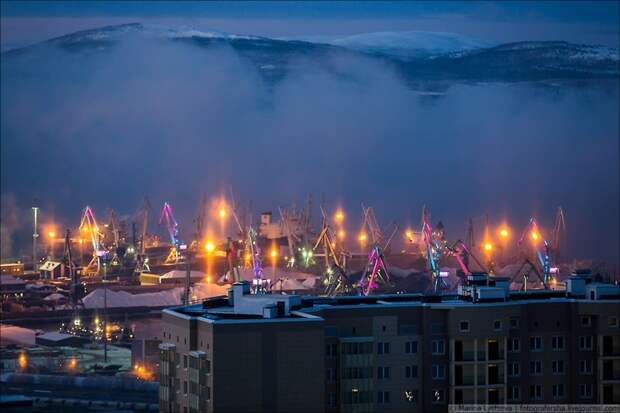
(418, 56)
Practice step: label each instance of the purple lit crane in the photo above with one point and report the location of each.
(173, 231)
(375, 271)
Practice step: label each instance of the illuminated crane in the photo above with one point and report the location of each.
(113, 223)
(533, 233)
(335, 279)
(434, 249)
(461, 252)
(369, 221)
(142, 262)
(375, 271)
(88, 225)
(173, 231)
(558, 231)
(259, 285)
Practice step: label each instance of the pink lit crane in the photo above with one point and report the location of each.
(375, 271)
(173, 231)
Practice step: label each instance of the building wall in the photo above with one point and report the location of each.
(462, 353)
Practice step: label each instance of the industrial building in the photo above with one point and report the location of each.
(484, 344)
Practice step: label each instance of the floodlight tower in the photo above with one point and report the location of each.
(35, 235)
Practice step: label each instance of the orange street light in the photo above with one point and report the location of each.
(339, 216)
(342, 234)
(488, 247)
(209, 247)
(362, 237)
(504, 232)
(535, 235)
(222, 213)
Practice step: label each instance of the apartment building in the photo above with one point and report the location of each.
(404, 352)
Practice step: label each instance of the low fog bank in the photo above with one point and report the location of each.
(172, 121)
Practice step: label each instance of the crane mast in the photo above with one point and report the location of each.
(172, 226)
(89, 225)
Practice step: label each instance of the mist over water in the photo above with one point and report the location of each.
(173, 121)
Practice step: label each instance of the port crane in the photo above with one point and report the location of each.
(434, 249)
(114, 227)
(259, 285)
(142, 262)
(89, 225)
(461, 253)
(173, 231)
(533, 233)
(375, 271)
(335, 279)
(559, 229)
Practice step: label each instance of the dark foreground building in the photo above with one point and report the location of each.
(403, 352)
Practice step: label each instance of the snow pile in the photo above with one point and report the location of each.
(123, 299)
(16, 335)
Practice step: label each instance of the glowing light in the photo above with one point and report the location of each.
(209, 247)
(339, 216)
(81, 241)
(23, 361)
(409, 234)
(273, 253)
(222, 212)
(248, 257)
(535, 235)
(72, 364)
(51, 234)
(341, 234)
(504, 232)
(488, 247)
(363, 237)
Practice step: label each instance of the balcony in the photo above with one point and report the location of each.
(464, 375)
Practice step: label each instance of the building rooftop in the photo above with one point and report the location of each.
(241, 306)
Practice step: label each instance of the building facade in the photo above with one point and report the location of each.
(407, 352)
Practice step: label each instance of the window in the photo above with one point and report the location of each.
(411, 372)
(536, 392)
(383, 373)
(331, 399)
(612, 321)
(330, 375)
(464, 326)
(383, 397)
(383, 348)
(585, 391)
(331, 350)
(585, 367)
(184, 361)
(558, 391)
(535, 368)
(514, 369)
(439, 371)
(586, 321)
(497, 325)
(557, 343)
(514, 323)
(514, 393)
(411, 347)
(536, 343)
(356, 373)
(514, 345)
(356, 348)
(184, 387)
(557, 366)
(585, 343)
(438, 347)
(438, 396)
